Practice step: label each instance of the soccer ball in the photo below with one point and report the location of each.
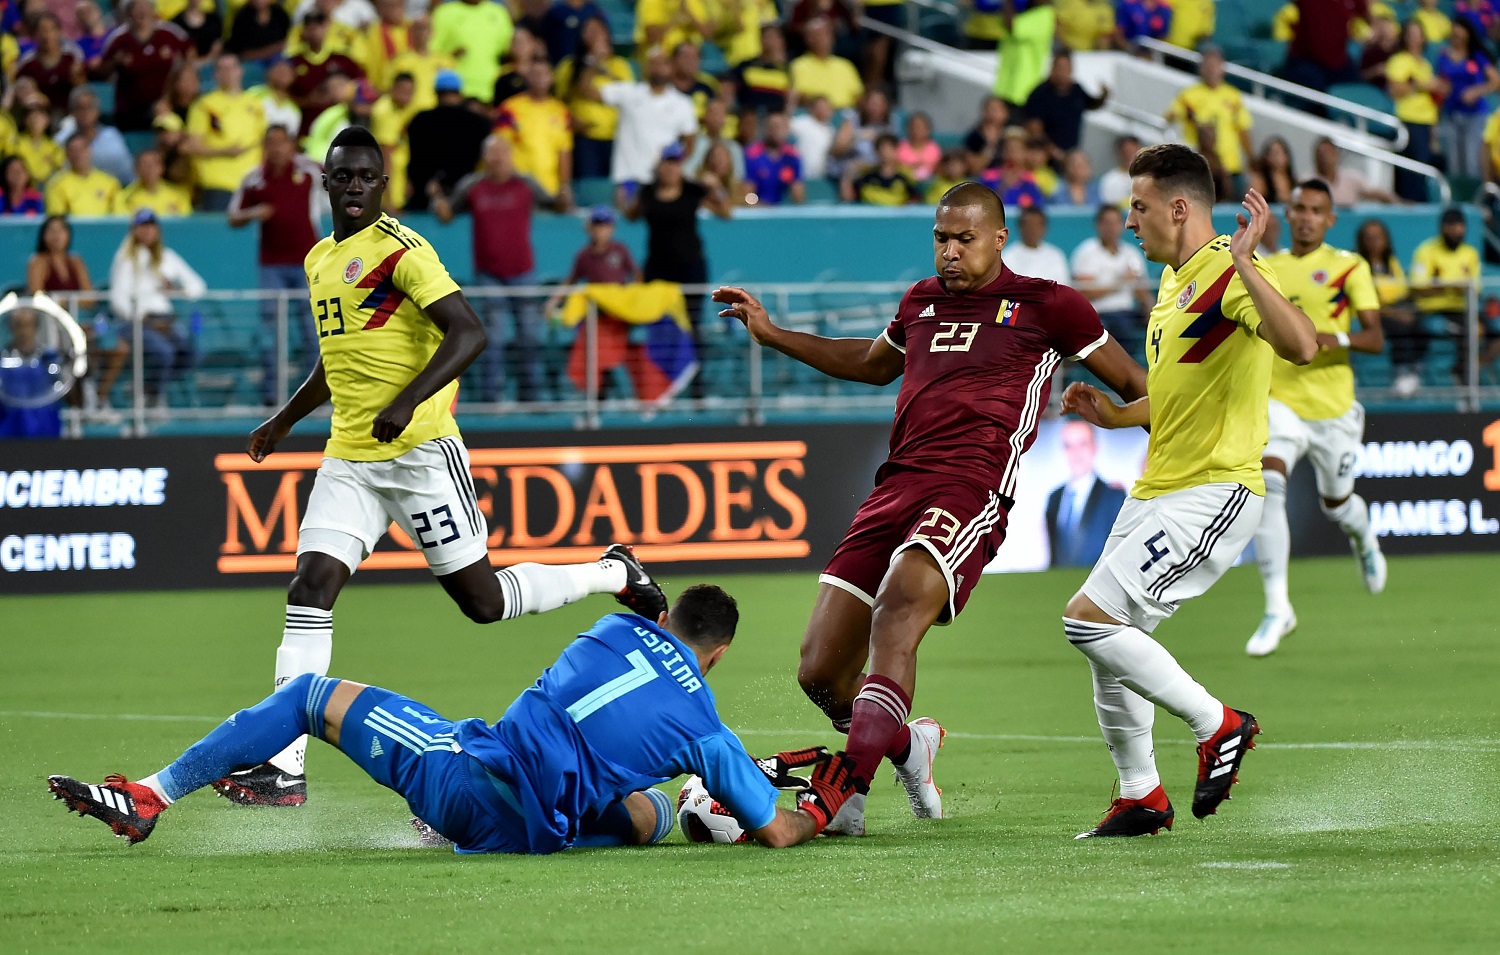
(703, 818)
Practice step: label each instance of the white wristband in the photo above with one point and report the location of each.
(1343, 338)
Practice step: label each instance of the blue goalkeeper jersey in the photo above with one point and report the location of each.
(622, 709)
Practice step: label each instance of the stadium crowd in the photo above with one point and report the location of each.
(157, 109)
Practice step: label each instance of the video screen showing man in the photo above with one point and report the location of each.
(1081, 510)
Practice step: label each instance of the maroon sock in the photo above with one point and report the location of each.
(900, 747)
(880, 712)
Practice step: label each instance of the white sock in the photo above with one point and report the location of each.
(1273, 544)
(150, 783)
(1352, 517)
(1146, 667)
(1125, 719)
(538, 588)
(306, 647)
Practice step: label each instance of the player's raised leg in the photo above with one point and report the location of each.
(1273, 552)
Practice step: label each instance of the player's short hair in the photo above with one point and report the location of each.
(356, 137)
(1034, 211)
(704, 616)
(1105, 209)
(1177, 171)
(975, 194)
(1314, 185)
(887, 139)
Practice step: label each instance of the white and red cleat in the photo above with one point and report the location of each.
(916, 773)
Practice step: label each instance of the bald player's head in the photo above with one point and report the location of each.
(976, 194)
(968, 233)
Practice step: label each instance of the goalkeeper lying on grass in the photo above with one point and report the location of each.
(571, 763)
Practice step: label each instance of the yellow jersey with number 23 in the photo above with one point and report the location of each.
(1330, 286)
(368, 293)
(1208, 376)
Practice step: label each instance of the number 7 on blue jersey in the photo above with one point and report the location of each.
(641, 672)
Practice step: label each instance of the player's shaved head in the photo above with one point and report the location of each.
(1177, 171)
(976, 194)
(704, 617)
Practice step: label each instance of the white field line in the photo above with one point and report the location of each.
(1440, 745)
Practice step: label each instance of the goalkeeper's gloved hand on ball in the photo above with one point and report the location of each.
(778, 768)
(832, 783)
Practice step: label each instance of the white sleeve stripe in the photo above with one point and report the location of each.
(1090, 348)
(886, 334)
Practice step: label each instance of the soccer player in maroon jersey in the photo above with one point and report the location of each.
(977, 345)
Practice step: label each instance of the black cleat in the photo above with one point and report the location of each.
(1134, 817)
(128, 808)
(1219, 760)
(262, 785)
(641, 595)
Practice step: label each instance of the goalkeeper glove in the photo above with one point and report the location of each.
(832, 783)
(778, 768)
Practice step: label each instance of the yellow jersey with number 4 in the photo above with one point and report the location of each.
(1208, 374)
(368, 294)
(1330, 286)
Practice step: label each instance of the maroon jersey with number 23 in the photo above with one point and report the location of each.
(978, 372)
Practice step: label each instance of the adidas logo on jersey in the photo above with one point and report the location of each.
(928, 312)
(375, 747)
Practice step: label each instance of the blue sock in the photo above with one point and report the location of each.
(252, 735)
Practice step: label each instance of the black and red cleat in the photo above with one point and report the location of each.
(128, 808)
(1135, 817)
(641, 594)
(1219, 759)
(262, 785)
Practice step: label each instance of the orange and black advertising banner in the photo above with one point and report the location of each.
(197, 512)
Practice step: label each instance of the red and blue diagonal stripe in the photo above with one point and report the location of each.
(1340, 300)
(384, 297)
(1211, 328)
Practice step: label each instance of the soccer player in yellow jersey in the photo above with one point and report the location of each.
(1219, 321)
(1312, 408)
(394, 334)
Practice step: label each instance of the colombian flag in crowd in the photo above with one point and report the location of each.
(661, 358)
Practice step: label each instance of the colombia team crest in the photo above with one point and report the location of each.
(353, 271)
(1187, 294)
(1319, 277)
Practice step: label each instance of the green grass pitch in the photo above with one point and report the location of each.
(1366, 821)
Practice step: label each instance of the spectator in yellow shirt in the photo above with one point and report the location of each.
(666, 23)
(541, 132)
(42, 156)
(476, 33)
(151, 191)
(388, 121)
(1085, 24)
(738, 25)
(224, 133)
(1443, 271)
(80, 189)
(1435, 23)
(421, 63)
(1411, 81)
(385, 39)
(1192, 23)
(340, 38)
(818, 72)
(1214, 103)
(594, 121)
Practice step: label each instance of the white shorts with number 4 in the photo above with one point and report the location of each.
(1171, 548)
(427, 492)
(1332, 445)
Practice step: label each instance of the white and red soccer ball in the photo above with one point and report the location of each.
(703, 818)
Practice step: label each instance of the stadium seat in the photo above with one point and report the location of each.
(593, 192)
(822, 191)
(1365, 95)
(139, 139)
(106, 94)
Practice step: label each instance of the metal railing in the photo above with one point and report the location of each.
(1259, 83)
(584, 383)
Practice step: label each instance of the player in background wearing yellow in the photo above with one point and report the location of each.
(394, 334)
(1312, 408)
(1219, 321)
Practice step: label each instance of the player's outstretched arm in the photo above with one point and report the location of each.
(463, 339)
(308, 397)
(1094, 406)
(872, 361)
(1113, 365)
(1283, 325)
(828, 788)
